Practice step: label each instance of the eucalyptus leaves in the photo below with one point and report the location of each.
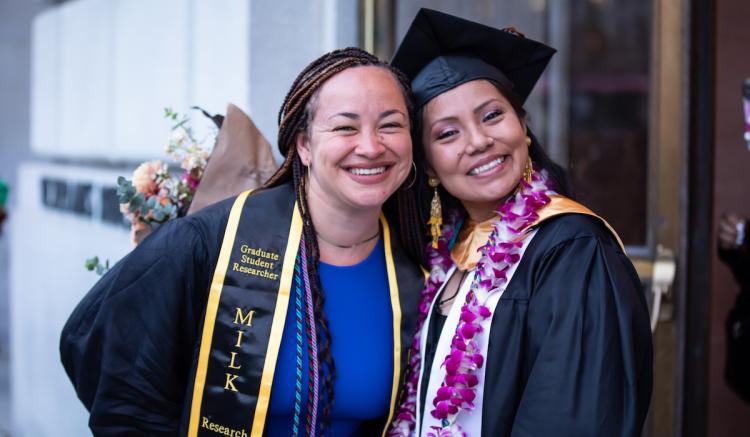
(155, 194)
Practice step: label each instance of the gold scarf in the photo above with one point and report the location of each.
(472, 236)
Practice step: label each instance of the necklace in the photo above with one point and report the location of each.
(350, 246)
(455, 293)
(502, 251)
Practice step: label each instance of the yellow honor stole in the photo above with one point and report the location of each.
(472, 236)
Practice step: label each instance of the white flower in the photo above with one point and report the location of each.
(194, 160)
(178, 137)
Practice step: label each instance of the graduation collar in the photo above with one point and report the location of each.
(465, 252)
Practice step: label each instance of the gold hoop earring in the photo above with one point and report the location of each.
(436, 212)
(306, 176)
(413, 164)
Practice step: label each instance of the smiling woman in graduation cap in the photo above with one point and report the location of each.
(533, 321)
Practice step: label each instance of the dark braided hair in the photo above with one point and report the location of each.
(295, 117)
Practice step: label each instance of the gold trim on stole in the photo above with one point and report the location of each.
(473, 236)
(396, 307)
(277, 326)
(562, 205)
(211, 309)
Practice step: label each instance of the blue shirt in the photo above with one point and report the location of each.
(358, 309)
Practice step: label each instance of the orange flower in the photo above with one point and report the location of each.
(144, 177)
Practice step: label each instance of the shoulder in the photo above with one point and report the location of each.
(201, 234)
(567, 228)
(216, 215)
(186, 233)
(211, 216)
(573, 242)
(577, 255)
(576, 247)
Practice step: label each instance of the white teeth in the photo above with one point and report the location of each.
(487, 167)
(367, 171)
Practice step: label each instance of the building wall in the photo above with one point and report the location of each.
(15, 61)
(727, 414)
(104, 70)
(49, 246)
(101, 73)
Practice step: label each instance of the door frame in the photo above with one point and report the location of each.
(697, 190)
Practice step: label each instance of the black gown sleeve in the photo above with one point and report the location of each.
(129, 344)
(588, 331)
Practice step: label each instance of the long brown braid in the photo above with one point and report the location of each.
(294, 117)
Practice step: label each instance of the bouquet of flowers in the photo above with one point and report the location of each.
(158, 192)
(154, 194)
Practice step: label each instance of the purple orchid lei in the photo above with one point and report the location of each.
(503, 250)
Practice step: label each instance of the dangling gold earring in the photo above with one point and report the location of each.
(528, 170)
(436, 213)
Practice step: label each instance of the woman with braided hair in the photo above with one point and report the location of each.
(282, 311)
(533, 321)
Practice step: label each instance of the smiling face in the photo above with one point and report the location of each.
(475, 144)
(358, 139)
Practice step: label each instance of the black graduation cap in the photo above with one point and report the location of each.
(441, 51)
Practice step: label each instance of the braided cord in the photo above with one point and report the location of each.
(298, 356)
(312, 344)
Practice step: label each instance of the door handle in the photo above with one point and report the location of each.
(662, 280)
(660, 274)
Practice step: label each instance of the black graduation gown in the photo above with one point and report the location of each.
(570, 351)
(737, 324)
(132, 345)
